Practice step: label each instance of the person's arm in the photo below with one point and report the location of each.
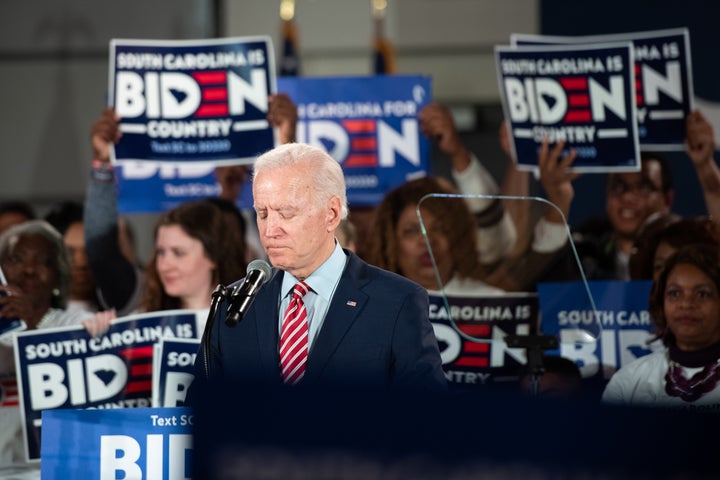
(516, 183)
(116, 278)
(700, 142)
(556, 178)
(496, 231)
(282, 114)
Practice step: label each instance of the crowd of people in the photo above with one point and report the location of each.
(363, 317)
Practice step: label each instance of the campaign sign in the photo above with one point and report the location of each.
(67, 368)
(582, 95)
(8, 325)
(471, 336)
(131, 443)
(173, 361)
(154, 187)
(368, 124)
(603, 340)
(8, 392)
(663, 80)
(192, 101)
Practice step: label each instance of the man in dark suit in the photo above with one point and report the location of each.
(325, 317)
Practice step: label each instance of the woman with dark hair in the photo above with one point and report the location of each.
(399, 246)
(662, 237)
(197, 246)
(685, 307)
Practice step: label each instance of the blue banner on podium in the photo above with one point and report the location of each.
(119, 443)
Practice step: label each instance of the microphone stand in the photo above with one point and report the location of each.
(218, 295)
(534, 345)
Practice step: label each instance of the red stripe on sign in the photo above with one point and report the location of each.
(637, 69)
(139, 386)
(360, 161)
(574, 83)
(578, 100)
(639, 100)
(359, 126)
(10, 403)
(364, 143)
(476, 330)
(142, 370)
(638, 86)
(474, 347)
(210, 78)
(578, 116)
(214, 94)
(472, 362)
(212, 111)
(139, 352)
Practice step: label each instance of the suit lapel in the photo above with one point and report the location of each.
(345, 306)
(266, 318)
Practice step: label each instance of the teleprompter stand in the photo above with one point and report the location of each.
(534, 345)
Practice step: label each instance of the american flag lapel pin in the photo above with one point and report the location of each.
(351, 303)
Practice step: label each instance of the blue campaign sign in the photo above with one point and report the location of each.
(173, 361)
(192, 101)
(66, 368)
(123, 443)
(473, 350)
(147, 188)
(8, 325)
(603, 340)
(583, 95)
(663, 74)
(368, 124)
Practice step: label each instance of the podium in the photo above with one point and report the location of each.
(131, 443)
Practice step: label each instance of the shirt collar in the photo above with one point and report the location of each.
(324, 279)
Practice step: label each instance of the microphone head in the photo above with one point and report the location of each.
(262, 266)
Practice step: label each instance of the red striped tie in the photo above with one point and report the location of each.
(294, 337)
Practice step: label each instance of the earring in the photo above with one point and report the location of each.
(56, 292)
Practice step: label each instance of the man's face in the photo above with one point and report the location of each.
(296, 229)
(632, 197)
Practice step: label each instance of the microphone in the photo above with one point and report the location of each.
(258, 272)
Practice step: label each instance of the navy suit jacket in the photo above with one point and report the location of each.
(376, 333)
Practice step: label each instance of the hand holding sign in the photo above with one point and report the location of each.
(99, 323)
(103, 133)
(15, 304)
(700, 139)
(556, 178)
(436, 123)
(282, 114)
(700, 143)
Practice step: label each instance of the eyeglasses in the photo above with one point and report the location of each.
(643, 188)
